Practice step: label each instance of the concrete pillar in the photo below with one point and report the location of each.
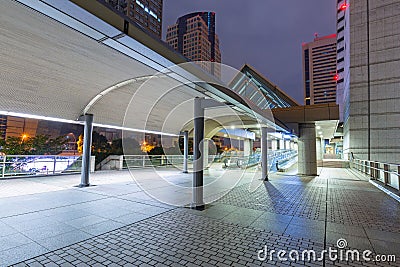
(197, 184)
(287, 144)
(281, 144)
(274, 145)
(307, 161)
(87, 147)
(264, 153)
(319, 150)
(185, 151)
(205, 153)
(247, 147)
(120, 164)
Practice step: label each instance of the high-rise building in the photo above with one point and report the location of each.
(17, 127)
(319, 70)
(369, 78)
(343, 56)
(194, 36)
(146, 13)
(3, 126)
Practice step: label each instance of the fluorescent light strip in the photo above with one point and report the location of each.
(38, 117)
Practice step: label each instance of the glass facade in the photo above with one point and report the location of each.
(260, 91)
(3, 126)
(307, 76)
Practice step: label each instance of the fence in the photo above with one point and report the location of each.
(387, 173)
(31, 165)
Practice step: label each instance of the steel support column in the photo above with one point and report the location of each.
(185, 151)
(197, 184)
(87, 145)
(264, 153)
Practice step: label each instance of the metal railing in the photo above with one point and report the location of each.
(30, 165)
(274, 159)
(146, 161)
(387, 173)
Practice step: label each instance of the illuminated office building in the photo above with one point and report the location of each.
(194, 36)
(319, 70)
(146, 13)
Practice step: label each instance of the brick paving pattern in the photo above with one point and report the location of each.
(288, 213)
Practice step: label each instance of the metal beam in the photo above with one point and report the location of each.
(87, 146)
(264, 153)
(185, 151)
(197, 184)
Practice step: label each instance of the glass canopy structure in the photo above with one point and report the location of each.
(261, 91)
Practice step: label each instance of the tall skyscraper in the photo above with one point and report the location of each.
(193, 35)
(3, 126)
(369, 78)
(319, 70)
(146, 13)
(343, 57)
(17, 127)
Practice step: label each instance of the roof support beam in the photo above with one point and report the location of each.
(198, 153)
(87, 147)
(264, 153)
(185, 151)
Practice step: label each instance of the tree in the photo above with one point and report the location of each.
(99, 143)
(100, 147)
(38, 145)
(79, 144)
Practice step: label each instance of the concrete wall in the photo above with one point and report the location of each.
(374, 107)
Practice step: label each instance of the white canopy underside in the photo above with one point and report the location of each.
(49, 69)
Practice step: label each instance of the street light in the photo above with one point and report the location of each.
(24, 136)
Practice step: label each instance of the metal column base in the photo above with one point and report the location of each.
(83, 185)
(197, 207)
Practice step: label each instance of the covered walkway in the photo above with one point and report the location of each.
(63, 63)
(115, 222)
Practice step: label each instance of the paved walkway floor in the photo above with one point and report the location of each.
(116, 224)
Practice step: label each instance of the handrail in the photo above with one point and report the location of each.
(274, 159)
(387, 173)
(30, 165)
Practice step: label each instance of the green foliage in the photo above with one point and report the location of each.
(38, 145)
(157, 151)
(100, 147)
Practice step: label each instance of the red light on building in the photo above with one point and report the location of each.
(344, 6)
(336, 77)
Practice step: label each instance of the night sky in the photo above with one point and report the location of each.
(263, 33)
